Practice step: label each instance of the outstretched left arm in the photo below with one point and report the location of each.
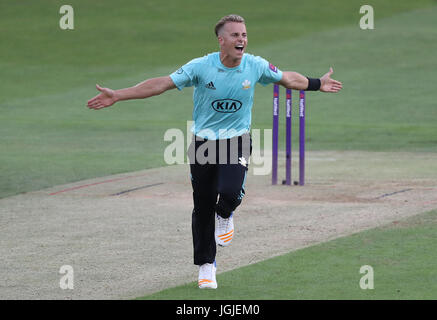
(294, 80)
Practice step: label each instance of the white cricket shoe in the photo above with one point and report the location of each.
(224, 230)
(207, 276)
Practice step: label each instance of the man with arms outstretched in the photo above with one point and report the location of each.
(224, 84)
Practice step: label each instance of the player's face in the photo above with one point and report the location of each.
(233, 39)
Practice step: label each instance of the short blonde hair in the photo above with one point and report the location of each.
(228, 18)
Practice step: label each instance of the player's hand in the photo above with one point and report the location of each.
(328, 84)
(105, 99)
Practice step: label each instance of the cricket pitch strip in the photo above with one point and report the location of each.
(129, 235)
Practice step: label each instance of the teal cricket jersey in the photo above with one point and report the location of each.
(223, 97)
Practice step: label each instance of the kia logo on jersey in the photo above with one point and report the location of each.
(226, 105)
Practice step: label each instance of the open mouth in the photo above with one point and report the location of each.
(240, 48)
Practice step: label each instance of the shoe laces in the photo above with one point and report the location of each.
(223, 222)
(206, 271)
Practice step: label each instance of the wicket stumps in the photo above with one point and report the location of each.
(288, 132)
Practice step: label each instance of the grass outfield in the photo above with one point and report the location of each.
(48, 137)
(402, 256)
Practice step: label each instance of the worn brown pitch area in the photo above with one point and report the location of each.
(130, 234)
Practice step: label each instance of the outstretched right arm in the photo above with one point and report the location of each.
(142, 90)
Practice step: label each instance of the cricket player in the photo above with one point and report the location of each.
(224, 84)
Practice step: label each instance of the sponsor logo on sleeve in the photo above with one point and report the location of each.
(273, 68)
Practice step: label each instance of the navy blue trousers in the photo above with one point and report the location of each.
(218, 175)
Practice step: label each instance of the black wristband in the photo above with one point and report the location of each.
(313, 84)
